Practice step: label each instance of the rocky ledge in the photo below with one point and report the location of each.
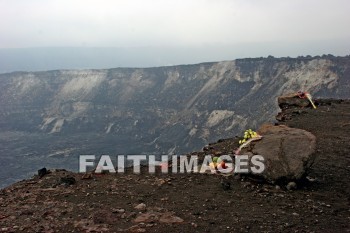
(316, 201)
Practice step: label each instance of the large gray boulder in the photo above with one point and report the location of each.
(288, 152)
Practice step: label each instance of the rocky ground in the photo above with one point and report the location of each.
(196, 202)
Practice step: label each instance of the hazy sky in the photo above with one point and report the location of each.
(178, 23)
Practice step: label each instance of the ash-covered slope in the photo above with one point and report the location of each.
(166, 109)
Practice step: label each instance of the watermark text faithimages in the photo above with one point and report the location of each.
(179, 164)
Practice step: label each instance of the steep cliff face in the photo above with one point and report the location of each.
(166, 109)
(49, 118)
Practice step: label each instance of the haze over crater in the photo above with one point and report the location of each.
(43, 35)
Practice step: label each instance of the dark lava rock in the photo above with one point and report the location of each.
(292, 100)
(42, 172)
(69, 180)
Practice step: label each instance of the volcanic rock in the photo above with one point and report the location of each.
(288, 152)
(292, 100)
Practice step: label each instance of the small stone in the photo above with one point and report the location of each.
(42, 172)
(311, 179)
(291, 186)
(170, 218)
(69, 180)
(131, 215)
(295, 214)
(147, 217)
(136, 229)
(120, 211)
(141, 206)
